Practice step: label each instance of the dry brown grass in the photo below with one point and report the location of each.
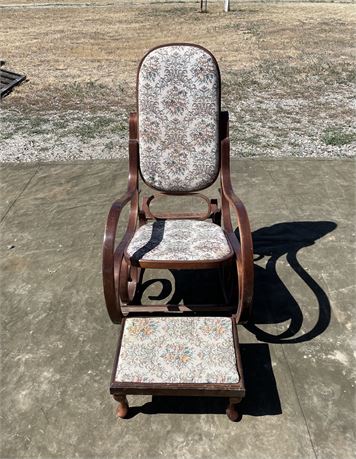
(86, 58)
(98, 49)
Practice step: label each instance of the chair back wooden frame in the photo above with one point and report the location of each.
(122, 277)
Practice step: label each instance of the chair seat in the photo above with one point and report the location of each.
(177, 350)
(180, 240)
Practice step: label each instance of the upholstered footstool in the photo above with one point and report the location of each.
(197, 356)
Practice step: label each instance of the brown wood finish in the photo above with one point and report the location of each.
(243, 249)
(123, 406)
(121, 277)
(174, 216)
(231, 409)
(112, 256)
(186, 264)
(113, 308)
(176, 308)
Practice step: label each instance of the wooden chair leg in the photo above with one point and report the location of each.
(123, 406)
(231, 410)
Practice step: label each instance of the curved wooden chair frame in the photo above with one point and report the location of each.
(121, 278)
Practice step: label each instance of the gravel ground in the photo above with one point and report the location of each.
(259, 127)
(62, 137)
(60, 145)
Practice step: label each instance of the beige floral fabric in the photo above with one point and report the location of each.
(178, 240)
(177, 350)
(178, 106)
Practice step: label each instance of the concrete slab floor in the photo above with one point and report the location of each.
(58, 344)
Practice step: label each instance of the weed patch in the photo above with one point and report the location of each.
(338, 137)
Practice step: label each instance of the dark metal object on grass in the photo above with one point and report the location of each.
(8, 80)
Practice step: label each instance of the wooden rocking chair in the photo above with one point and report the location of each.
(179, 145)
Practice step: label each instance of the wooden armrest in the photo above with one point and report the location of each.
(109, 252)
(243, 249)
(112, 255)
(111, 225)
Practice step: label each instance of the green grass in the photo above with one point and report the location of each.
(337, 137)
(96, 126)
(25, 125)
(86, 128)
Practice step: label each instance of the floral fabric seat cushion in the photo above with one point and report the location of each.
(179, 108)
(167, 240)
(177, 350)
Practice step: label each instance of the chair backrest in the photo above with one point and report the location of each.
(178, 106)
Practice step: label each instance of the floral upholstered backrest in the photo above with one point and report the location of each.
(178, 90)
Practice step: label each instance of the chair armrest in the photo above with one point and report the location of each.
(243, 249)
(109, 253)
(112, 256)
(111, 226)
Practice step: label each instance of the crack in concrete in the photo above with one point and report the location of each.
(19, 195)
(299, 403)
(44, 414)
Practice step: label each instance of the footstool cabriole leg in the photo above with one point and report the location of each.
(123, 406)
(231, 410)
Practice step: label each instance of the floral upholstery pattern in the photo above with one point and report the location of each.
(178, 240)
(177, 350)
(179, 107)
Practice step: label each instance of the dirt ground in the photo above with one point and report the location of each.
(288, 73)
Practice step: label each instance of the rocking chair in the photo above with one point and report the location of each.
(178, 145)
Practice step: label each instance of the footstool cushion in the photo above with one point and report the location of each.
(177, 350)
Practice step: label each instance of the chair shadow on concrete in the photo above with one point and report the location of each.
(273, 303)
